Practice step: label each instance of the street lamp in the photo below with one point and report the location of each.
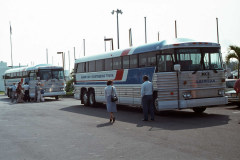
(63, 54)
(117, 11)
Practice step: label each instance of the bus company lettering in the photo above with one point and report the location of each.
(205, 81)
(97, 76)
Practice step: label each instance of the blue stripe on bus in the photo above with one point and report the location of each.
(134, 77)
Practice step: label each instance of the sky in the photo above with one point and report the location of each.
(61, 25)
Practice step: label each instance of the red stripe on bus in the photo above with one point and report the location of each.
(119, 75)
(125, 52)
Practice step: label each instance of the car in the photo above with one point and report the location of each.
(230, 92)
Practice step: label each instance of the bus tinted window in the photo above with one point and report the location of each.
(92, 66)
(151, 59)
(87, 67)
(45, 74)
(143, 60)
(165, 63)
(57, 74)
(100, 65)
(125, 62)
(108, 64)
(117, 63)
(133, 61)
(81, 68)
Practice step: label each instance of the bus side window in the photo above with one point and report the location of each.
(32, 76)
(87, 66)
(117, 63)
(134, 61)
(108, 64)
(92, 66)
(125, 62)
(81, 68)
(151, 60)
(143, 60)
(100, 65)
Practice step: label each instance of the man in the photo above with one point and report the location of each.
(14, 87)
(26, 92)
(147, 98)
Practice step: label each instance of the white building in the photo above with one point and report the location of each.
(3, 68)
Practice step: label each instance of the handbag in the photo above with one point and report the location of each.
(114, 98)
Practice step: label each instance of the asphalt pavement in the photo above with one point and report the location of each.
(66, 130)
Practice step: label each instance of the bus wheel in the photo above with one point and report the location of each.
(56, 97)
(155, 105)
(84, 98)
(199, 109)
(91, 98)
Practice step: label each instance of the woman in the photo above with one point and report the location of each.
(110, 91)
(19, 91)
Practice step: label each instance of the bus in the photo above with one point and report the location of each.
(51, 78)
(185, 74)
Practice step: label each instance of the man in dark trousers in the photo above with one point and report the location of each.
(147, 98)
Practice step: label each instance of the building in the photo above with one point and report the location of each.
(3, 68)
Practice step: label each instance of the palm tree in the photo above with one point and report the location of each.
(233, 53)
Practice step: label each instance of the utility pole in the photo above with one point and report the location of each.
(74, 53)
(145, 19)
(175, 29)
(217, 31)
(84, 47)
(11, 42)
(158, 36)
(117, 11)
(130, 37)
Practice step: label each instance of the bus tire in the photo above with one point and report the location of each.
(199, 110)
(84, 98)
(91, 98)
(56, 97)
(155, 105)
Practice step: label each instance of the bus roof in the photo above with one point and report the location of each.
(36, 67)
(157, 46)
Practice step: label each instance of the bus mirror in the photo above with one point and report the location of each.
(177, 67)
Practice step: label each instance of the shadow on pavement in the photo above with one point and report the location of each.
(169, 120)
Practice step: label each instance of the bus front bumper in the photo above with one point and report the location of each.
(165, 105)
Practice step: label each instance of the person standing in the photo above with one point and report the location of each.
(110, 91)
(26, 92)
(19, 91)
(147, 98)
(38, 92)
(14, 87)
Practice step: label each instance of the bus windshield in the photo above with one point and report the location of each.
(47, 74)
(199, 59)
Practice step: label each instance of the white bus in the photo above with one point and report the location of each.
(185, 74)
(51, 78)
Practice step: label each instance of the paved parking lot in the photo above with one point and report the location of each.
(66, 130)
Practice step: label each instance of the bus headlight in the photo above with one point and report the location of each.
(221, 92)
(187, 95)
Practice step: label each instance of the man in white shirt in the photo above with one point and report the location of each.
(147, 98)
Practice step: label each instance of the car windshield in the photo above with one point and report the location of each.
(199, 59)
(230, 84)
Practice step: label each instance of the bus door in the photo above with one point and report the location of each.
(32, 83)
(166, 82)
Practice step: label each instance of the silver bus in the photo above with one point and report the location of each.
(51, 78)
(185, 74)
